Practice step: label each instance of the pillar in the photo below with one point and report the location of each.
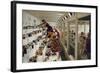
(76, 37)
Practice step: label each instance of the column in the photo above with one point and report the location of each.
(76, 37)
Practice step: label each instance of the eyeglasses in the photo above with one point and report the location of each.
(29, 27)
(33, 32)
(30, 34)
(32, 27)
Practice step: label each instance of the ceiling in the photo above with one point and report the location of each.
(85, 18)
(52, 16)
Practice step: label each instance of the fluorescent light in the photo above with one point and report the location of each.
(70, 14)
(60, 14)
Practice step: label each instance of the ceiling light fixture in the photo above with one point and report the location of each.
(70, 14)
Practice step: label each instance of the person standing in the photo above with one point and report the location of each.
(88, 46)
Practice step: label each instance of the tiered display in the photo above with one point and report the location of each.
(36, 47)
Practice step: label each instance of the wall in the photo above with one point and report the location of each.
(5, 37)
(29, 19)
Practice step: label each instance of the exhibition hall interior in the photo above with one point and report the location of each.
(49, 36)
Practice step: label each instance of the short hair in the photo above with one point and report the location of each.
(43, 20)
